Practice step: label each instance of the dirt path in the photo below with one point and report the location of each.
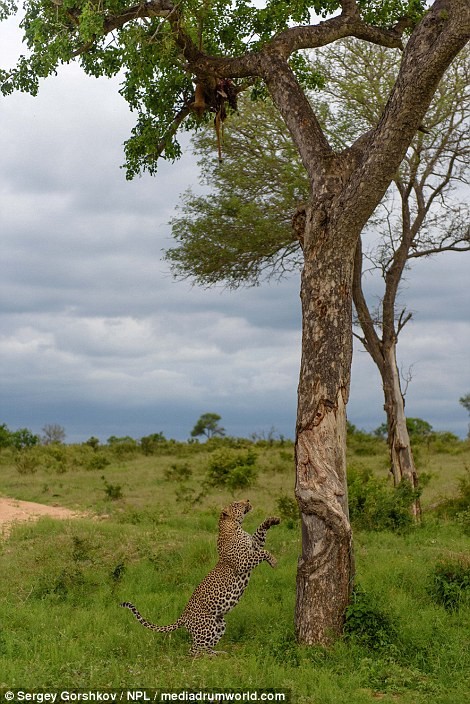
(12, 510)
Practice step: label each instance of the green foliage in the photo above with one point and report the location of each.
(19, 439)
(178, 472)
(123, 446)
(7, 8)
(388, 13)
(232, 469)
(149, 55)
(288, 510)
(367, 623)
(242, 194)
(449, 584)
(26, 462)
(98, 461)
(93, 443)
(375, 505)
(208, 425)
(362, 443)
(418, 429)
(112, 491)
(5, 436)
(465, 401)
(152, 443)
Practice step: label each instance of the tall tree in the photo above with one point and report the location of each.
(241, 232)
(162, 47)
(424, 212)
(208, 425)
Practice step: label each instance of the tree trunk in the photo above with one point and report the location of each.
(401, 455)
(383, 353)
(326, 566)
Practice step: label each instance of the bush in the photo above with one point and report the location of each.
(98, 461)
(152, 443)
(93, 443)
(232, 469)
(26, 462)
(288, 510)
(449, 584)
(178, 472)
(112, 491)
(55, 458)
(367, 623)
(375, 505)
(19, 439)
(124, 446)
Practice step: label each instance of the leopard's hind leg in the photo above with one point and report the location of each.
(206, 630)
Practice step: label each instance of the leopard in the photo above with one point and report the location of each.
(221, 590)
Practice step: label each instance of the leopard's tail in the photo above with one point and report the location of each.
(147, 624)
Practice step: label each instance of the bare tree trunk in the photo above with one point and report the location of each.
(326, 566)
(398, 439)
(383, 353)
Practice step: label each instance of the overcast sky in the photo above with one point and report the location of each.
(96, 335)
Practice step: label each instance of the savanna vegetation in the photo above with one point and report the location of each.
(150, 537)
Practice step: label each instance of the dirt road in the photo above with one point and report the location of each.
(12, 510)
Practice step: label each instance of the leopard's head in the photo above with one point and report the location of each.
(237, 510)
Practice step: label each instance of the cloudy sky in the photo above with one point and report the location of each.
(96, 335)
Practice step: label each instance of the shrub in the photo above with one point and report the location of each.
(112, 491)
(364, 444)
(26, 462)
(367, 623)
(151, 443)
(123, 446)
(55, 458)
(232, 469)
(23, 438)
(98, 461)
(288, 510)
(93, 443)
(449, 584)
(217, 443)
(188, 496)
(375, 505)
(178, 472)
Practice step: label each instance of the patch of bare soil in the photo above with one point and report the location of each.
(13, 510)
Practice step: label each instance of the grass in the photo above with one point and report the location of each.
(61, 584)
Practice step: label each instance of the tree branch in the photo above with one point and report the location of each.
(403, 320)
(371, 340)
(437, 39)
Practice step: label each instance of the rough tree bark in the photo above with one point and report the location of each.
(326, 566)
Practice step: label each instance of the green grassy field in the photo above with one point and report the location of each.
(151, 537)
